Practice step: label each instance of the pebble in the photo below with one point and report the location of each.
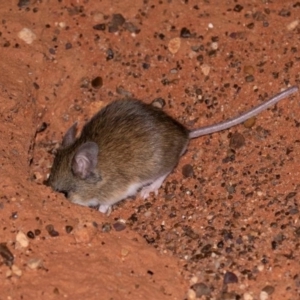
(124, 252)
(6, 254)
(201, 289)
(269, 289)
(69, 228)
(263, 295)
(187, 171)
(291, 26)
(21, 240)
(106, 227)
(16, 270)
(34, 263)
(205, 69)
(26, 35)
(229, 296)
(185, 33)
(248, 70)
(191, 294)
(247, 296)
(117, 21)
(194, 280)
(52, 232)
(250, 122)
(237, 141)
(159, 103)
(174, 45)
(119, 226)
(214, 46)
(121, 91)
(230, 277)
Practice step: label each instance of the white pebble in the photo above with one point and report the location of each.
(26, 35)
(263, 295)
(292, 25)
(22, 240)
(34, 263)
(210, 25)
(260, 267)
(214, 46)
(191, 294)
(205, 69)
(247, 296)
(16, 270)
(194, 280)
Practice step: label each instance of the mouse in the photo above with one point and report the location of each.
(125, 148)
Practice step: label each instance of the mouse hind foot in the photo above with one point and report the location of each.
(153, 187)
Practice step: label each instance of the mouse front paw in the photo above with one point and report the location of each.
(105, 209)
(153, 187)
(146, 190)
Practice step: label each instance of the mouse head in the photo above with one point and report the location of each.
(74, 164)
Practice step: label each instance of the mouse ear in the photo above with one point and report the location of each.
(85, 160)
(70, 135)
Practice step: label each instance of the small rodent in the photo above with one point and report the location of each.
(126, 147)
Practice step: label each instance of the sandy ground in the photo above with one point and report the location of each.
(225, 224)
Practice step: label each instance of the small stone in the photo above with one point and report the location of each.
(159, 103)
(269, 289)
(26, 35)
(263, 295)
(37, 232)
(247, 296)
(101, 27)
(194, 280)
(109, 54)
(117, 21)
(52, 232)
(191, 294)
(21, 240)
(249, 78)
(174, 45)
(185, 33)
(201, 289)
(124, 252)
(291, 26)
(237, 141)
(68, 46)
(230, 277)
(229, 296)
(121, 91)
(16, 270)
(35, 263)
(106, 227)
(250, 122)
(187, 171)
(69, 229)
(30, 234)
(131, 27)
(23, 3)
(6, 254)
(38, 176)
(8, 273)
(119, 226)
(205, 69)
(248, 70)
